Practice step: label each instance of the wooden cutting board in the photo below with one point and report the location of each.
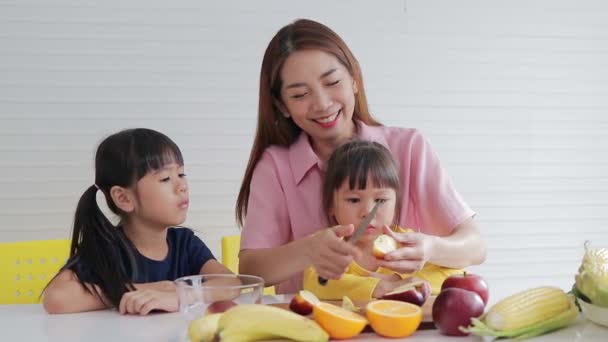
(427, 318)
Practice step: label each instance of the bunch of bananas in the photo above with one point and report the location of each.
(592, 279)
(254, 322)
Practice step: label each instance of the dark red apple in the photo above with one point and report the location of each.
(220, 306)
(455, 307)
(468, 281)
(415, 293)
(303, 302)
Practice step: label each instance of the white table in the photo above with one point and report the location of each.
(31, 323)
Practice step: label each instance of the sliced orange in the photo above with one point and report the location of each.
(391, 318)
(338, 322)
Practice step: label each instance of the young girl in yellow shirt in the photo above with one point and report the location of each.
(359, 174)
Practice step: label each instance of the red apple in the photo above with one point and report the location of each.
(415, 293)
(468, 281)
(303, 302)
(383, 245)
(455, 307)
(220, 306)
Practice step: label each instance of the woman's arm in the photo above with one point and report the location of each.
(463, 247)
(325, 250)
(65, 294)
(276, 264)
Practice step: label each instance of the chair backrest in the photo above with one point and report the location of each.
(26, 267)
(231, 245)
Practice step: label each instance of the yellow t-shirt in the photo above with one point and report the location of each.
(358, 284)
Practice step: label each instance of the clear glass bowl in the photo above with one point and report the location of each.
(202, 294)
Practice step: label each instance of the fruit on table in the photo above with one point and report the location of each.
(416, 293)
(348, 304)
(527, 314)
(383, 245)
(220, 306)
(592, 277)
(468, 281)
(390, 318)
(339, 323)
(252, 322)
(303, 302)
(204, 329)
(455, 307)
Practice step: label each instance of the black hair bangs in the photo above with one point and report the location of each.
(373, 167)
(152, 152)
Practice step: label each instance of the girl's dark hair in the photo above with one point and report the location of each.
(97, 245)
(354, 162)
(272, 127)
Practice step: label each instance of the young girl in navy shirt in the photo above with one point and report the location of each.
(131, 266)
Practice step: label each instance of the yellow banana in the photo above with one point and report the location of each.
(232, 335)
(253, 322)
(204, 329)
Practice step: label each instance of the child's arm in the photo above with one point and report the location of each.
(142, 302)
(165, 285)
(65, 294)
(435, 275)
(212, 266)
(163, 296)
(354, 286)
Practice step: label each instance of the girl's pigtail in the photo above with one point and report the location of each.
(98, 245)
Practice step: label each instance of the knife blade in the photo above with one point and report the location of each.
(364, 224)
(358, 231)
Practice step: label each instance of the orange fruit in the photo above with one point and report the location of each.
(338, 322)
(391, 318)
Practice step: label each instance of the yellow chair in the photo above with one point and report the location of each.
(231, 245)
(26, 267)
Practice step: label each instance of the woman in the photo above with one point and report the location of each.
(312, 100)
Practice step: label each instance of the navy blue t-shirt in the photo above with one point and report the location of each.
(187, 254)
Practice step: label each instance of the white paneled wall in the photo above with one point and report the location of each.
(513, 95)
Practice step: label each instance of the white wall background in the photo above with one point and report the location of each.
(512, 94)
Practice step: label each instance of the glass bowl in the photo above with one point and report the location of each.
(594, 313)
(210, 293)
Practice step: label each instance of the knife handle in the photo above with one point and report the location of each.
(322, 281)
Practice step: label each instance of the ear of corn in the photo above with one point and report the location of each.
(527, 308)
(527, 314)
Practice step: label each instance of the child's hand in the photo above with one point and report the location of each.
(382, 276)
(141, 302)
(414, 251)
(165, 285)
(329, 253)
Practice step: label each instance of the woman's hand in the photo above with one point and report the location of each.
(141, 302)
(329, 253)
(414, 251)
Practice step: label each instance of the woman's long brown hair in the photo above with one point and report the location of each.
(273, 128)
